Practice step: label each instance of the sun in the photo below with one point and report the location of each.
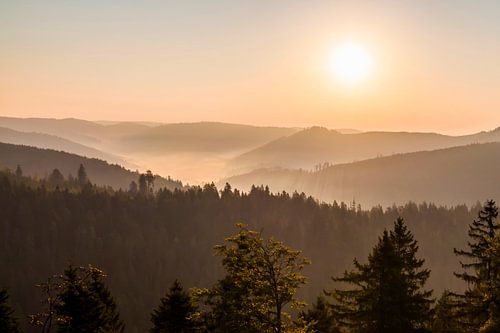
(351, 63)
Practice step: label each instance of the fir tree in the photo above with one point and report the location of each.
(176, 312)
(19, 171)
(56, 178)
(481, 300)
(445, 315)
(388, 295)
(8, 323)
(319, 318)
(82, 176)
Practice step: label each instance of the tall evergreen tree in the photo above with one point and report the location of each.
(176, 312)
(8, 323)
(19, 171)
(82, 176)
(82, 304)
(388, 295)
(56, 178)
(481, 300)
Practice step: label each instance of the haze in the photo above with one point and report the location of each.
(255, 62)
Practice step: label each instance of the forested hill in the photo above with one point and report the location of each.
(41, 162)
(316, 145)
(144, 242)
(447, 176)
(41, 140)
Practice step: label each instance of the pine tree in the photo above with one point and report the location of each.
(56, 178)
(82, 176)
(176, 312)
(109, 317)
(388, 295)
(320, 318)
(481, 300)
(445, 315)
(19, 171)
(82, 304)
(8, 323)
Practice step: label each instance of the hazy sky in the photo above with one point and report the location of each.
(436, 64)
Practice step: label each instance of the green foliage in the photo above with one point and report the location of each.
(8, 323)
(480, 304)
(262, 278)
(388, 295)
(176, 312)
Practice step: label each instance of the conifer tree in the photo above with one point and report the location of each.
(388, 296)
(56, 178)
(82, 303)
(445, 315)
(481, 301)
(8, 323)
(82, 176)
(19, 171)
(176, 312)
(320, 318)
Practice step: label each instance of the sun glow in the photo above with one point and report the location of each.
(351, 63)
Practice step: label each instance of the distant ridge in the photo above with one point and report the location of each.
(317, 145)
(40, 163)
(450, 176)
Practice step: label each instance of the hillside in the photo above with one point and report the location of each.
(40, 162)
(41, 140)
(319, 145)
(457, 175)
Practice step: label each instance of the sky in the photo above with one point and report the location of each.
(435, 64)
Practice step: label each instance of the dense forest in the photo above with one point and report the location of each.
(433, 176)
(145, 240)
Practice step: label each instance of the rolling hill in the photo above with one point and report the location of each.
(40, 163)
(449, 176)
(319, 145)
(41, 140)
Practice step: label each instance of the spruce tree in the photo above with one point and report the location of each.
(83, 303)
(388, 296)
(82, 176)
(176, 312)
(319, 318)
(481, 300)
(445, 315)
(8, 323)
(19, 171)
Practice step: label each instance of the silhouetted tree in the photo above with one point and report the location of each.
(388, 297)
(320, 318)
(56, 178)
(176, 312)
(481, 301)
(445, 315)
(133, 188)
(8, 323)
(143, 184)
(79, 302)
(82, 176)
(19, 171)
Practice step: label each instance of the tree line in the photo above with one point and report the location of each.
(144, 240)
